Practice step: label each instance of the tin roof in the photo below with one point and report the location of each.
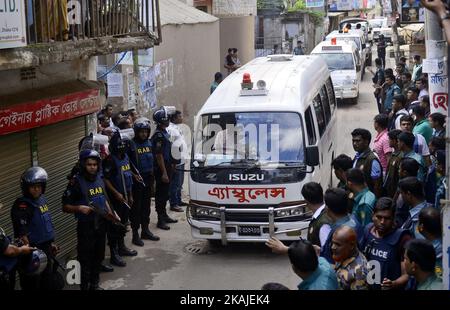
(174, 12)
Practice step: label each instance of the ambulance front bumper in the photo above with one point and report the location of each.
(247, 231)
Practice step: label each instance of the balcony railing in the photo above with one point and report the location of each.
(62, 20)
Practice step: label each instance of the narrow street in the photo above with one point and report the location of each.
(178, 261)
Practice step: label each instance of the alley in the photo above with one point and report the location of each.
(178, 261)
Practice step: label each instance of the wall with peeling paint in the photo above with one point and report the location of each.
(185, 64)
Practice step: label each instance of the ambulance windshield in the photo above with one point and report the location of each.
(246, 137)
(339, 61)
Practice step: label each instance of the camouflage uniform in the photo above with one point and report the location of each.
(352, 273)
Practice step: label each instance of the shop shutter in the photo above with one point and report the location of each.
(57, 153)
(15, 158)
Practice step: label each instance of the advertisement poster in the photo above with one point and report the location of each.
(412, 12)
(148, 87)
(12, 26)
(315, 3)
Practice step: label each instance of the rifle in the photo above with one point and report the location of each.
(138, 174)
(107, 216)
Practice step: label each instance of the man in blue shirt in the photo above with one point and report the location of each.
(363, 199)
(412, 193)
(392, 90)
(430, 227)
(406, 145)
(316, 272)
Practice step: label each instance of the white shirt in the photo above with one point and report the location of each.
(178, 140)
(323, 234)
(318, 211)
(421, 146)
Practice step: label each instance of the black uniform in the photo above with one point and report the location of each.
(141, 156)
(162, 145)
(91, 229)
(31, 218)
(112, 172)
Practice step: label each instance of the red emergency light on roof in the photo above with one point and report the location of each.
(333, 41)
(247, 78)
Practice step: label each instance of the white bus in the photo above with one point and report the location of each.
(254, 149)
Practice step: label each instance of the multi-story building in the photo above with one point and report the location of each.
(49, 94)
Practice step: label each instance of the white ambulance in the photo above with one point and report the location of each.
(341, 58)
(267, 129)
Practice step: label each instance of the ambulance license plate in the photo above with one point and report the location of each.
(249, 231)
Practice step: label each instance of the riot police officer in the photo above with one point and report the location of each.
(85, 196)
(164, 166)
(9, 254)
(141, 156)
(119, 182)
(32, 223)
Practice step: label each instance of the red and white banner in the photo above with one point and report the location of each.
(48, 111)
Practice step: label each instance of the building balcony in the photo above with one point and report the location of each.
(60, 30)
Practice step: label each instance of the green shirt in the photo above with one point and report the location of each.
(432, 283)
(363, 205)
(423, 127)
(323, 278)
(421, 173)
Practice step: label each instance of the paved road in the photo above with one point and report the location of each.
(168, 264)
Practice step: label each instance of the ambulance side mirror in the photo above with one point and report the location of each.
(312, 156)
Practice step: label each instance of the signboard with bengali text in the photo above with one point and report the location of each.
(48, 111)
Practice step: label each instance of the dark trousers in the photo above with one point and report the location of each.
(115, 232)
(91, 250)
(161, 196)
(140, 211)
(382, 56)
(43, 280)
(176, 185)
(7, 280)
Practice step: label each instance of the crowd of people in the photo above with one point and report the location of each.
(386, 207)
(109, 191)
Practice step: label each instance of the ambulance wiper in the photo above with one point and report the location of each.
(230, 164)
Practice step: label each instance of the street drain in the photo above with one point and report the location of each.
(199, 248)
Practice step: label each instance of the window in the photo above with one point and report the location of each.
(331, 96)
(325, 103)
(319, 115)
(310, 128)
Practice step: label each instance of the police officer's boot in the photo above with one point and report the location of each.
(146, 234)
(167, 219)
(95, 287)
(162, 223)
(136, 240)
(116, 260)
(124, 251)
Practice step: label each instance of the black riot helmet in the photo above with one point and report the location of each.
(89, 154)
(162, 115)
(117, 145)
(34, 263)
(33, 175)
(141, 124)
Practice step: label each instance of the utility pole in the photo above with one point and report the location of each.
(439, 90)
(395, 43)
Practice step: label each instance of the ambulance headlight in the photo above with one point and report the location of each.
(296, 211)
(214, 213)
(282, 213)
(202, 212)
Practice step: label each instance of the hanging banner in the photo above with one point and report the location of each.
(315, 3)
(412, 12)
(48, 111)
(13, 31)
(438, 78)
